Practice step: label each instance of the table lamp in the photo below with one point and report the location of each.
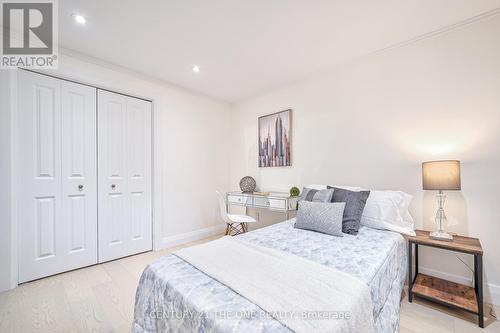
(441, 176)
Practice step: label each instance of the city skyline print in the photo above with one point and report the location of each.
(274, 139)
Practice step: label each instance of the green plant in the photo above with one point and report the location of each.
(294, 191)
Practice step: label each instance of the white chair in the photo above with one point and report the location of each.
(235, 224)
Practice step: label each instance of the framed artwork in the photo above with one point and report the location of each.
(274, 139)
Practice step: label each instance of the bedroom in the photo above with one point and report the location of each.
(171, 101)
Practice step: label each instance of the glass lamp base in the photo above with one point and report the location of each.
(441, 235)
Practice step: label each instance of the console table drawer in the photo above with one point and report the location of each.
(239, 199)
(271, 203)
(277, 204)
(275, 201)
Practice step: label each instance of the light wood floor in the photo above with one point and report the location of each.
(101, 299)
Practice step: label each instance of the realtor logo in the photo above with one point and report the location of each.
(29, 34)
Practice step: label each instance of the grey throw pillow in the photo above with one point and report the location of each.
(324, 217)
(355, 202)
(309, 194)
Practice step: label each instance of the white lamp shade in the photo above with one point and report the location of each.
(441, 175)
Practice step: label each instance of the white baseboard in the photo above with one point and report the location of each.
(191, 236)
(491, 292)
(446, 276)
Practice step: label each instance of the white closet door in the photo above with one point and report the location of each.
(57, 221)
(79, 174)
(124, 136)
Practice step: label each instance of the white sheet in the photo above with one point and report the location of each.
(286, 286)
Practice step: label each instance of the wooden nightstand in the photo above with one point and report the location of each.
(443, 291)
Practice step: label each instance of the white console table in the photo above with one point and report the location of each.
(274, 201)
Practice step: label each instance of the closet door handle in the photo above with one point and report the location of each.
(80, 188)
(113, 187)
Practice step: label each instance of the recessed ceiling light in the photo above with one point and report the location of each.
(196, 69)
(79, 18)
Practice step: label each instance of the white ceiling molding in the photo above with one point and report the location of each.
(443, 30)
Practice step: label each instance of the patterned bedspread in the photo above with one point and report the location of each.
(173, 296)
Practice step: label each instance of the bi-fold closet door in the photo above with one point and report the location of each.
(124, 132)
(57, 183)
(84, 176)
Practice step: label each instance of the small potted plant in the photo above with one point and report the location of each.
(294, 193)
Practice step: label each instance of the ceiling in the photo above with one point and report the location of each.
(247, 47)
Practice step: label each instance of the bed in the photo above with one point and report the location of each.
(174, 296)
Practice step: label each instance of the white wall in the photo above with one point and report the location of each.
(5, 182)
(372, 121)
(190, 146)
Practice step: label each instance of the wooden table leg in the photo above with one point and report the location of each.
(410, 273)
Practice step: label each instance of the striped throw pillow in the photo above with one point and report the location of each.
(313, 195)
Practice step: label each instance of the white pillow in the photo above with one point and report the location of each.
(317, 187)
(323, 187)
(389, 210)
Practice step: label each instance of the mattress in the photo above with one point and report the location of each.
(174, 296)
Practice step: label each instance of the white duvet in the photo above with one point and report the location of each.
(303, 295)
